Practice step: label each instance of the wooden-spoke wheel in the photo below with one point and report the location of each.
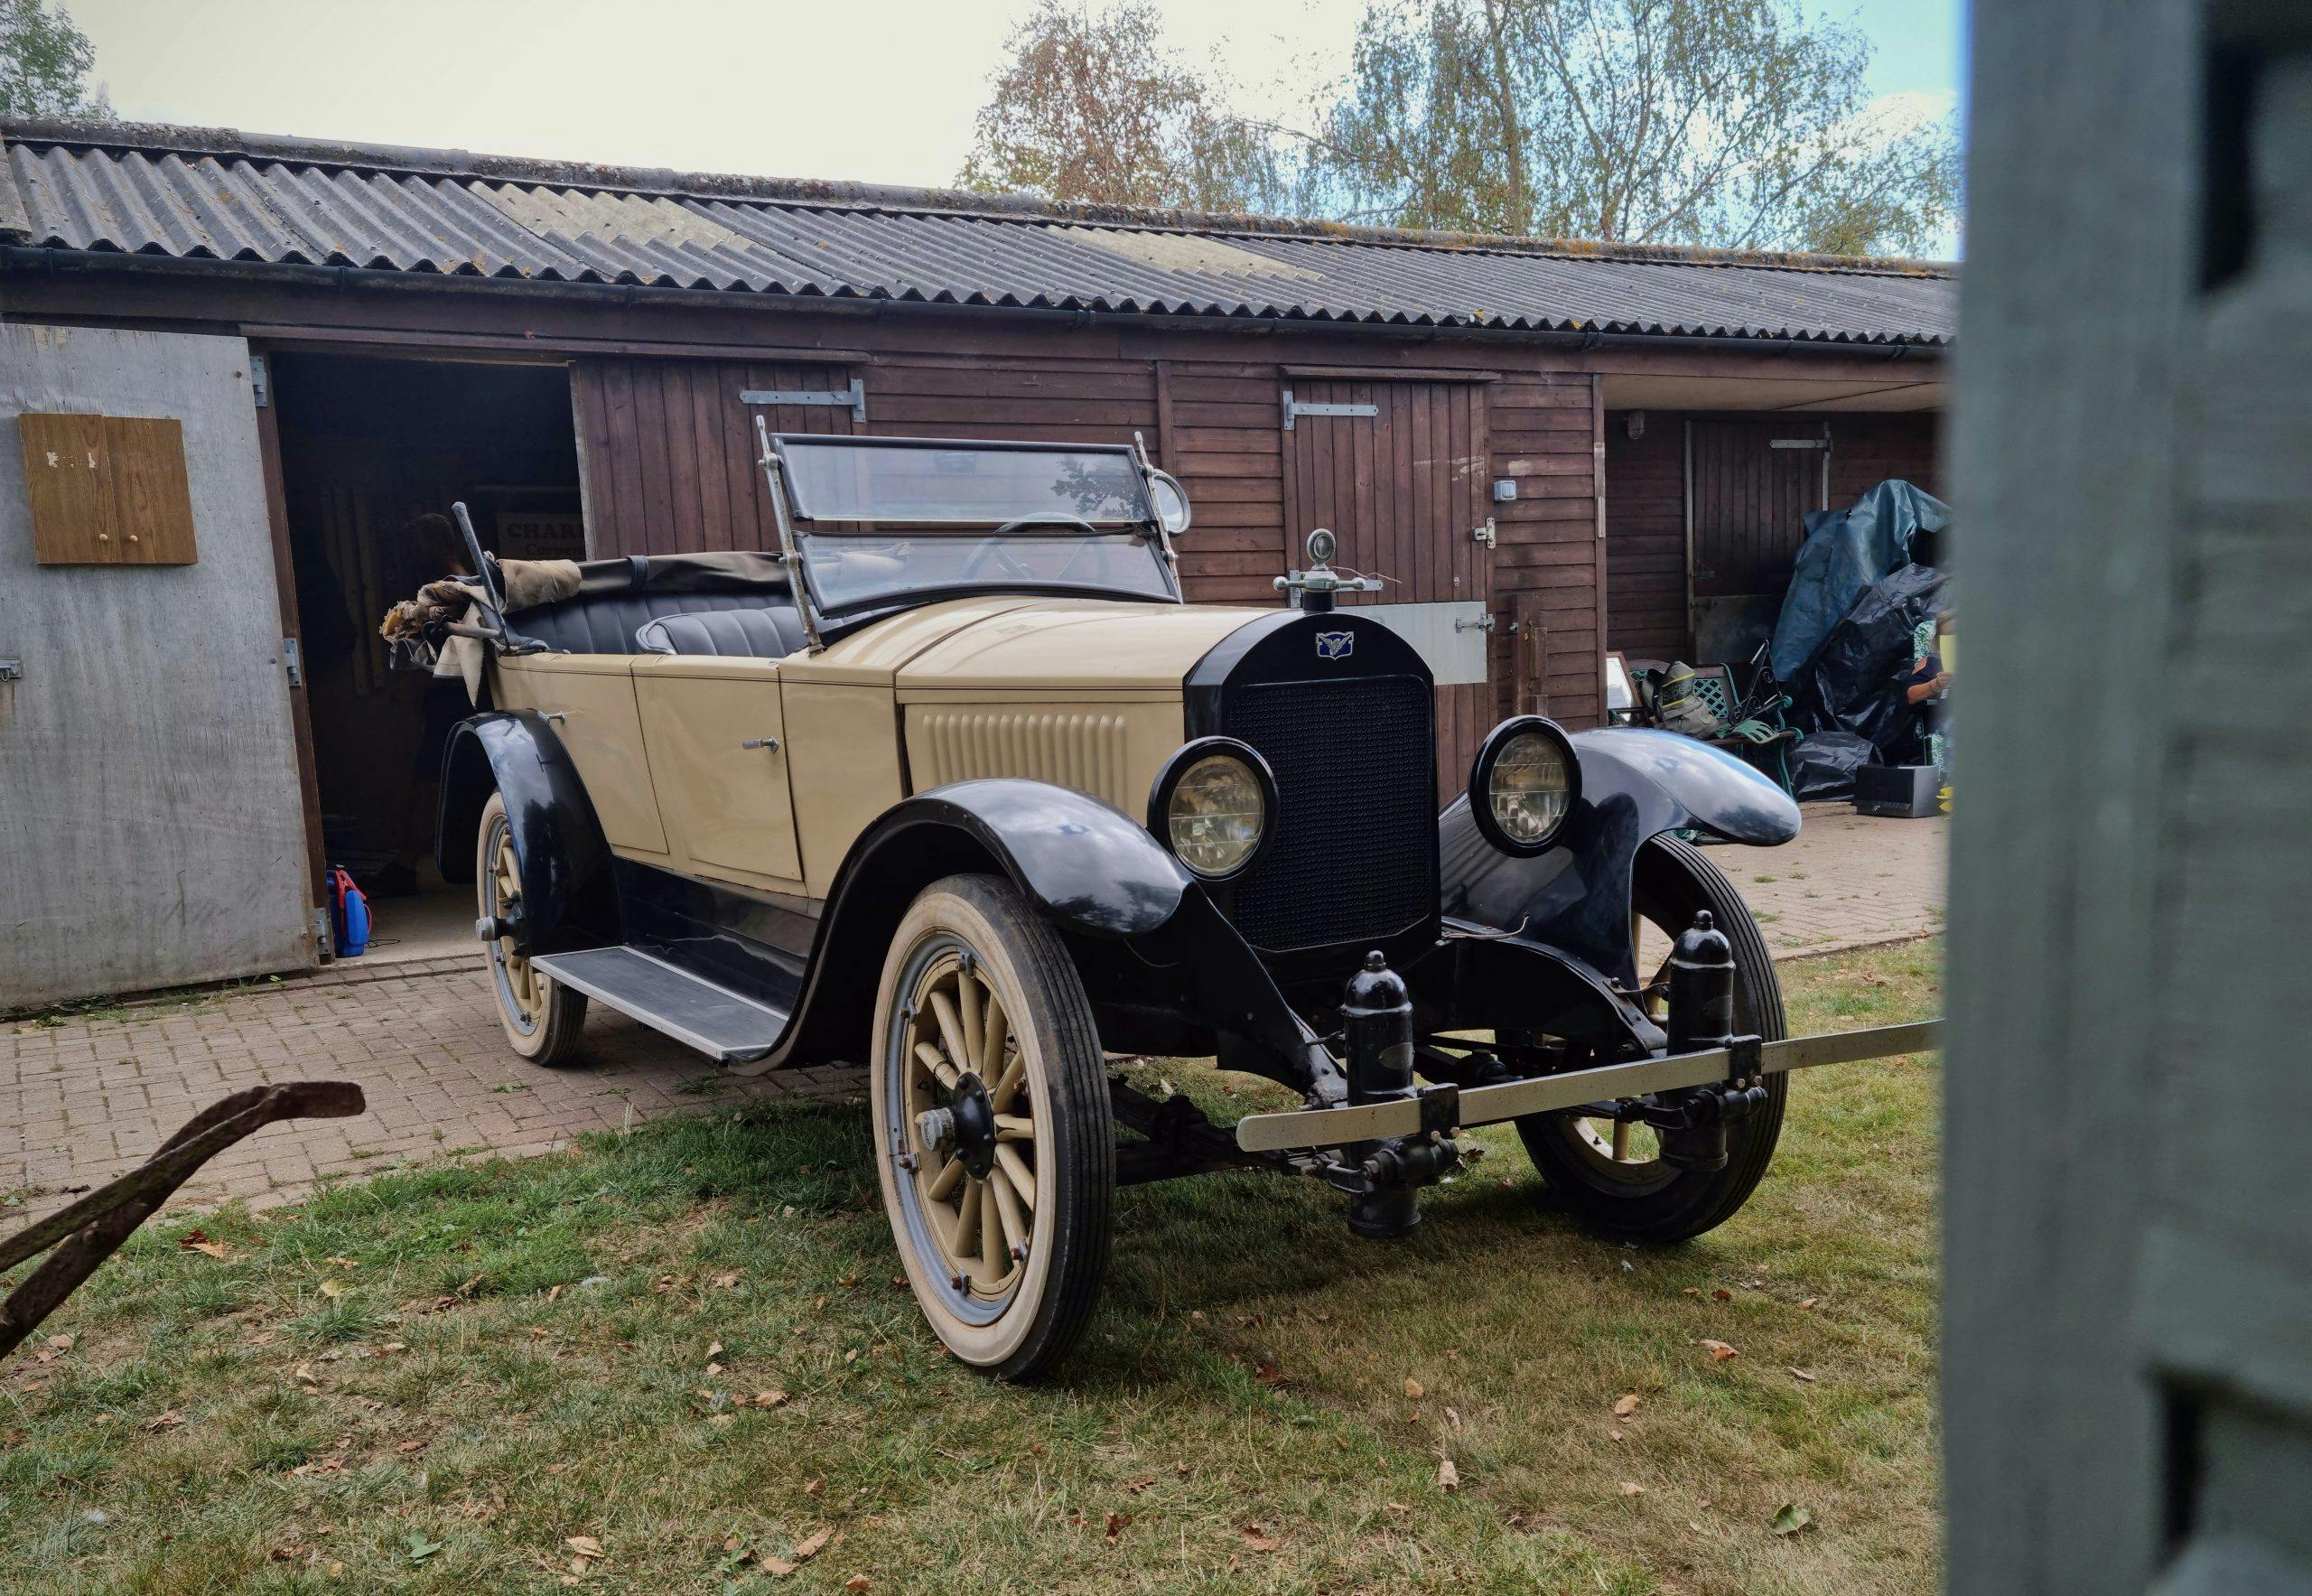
(1609, 1173)
(970, 1122)
(993, 1126)
(542, 1017)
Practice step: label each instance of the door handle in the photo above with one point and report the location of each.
(768, 743)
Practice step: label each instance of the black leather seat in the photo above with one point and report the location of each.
(605, 623)
(764, 632)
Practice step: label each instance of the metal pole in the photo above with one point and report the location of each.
(798, 579)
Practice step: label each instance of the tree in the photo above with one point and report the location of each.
(1095, 106)
(1719, 122)
(44, 61)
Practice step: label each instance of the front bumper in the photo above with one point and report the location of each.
(1452, 1108)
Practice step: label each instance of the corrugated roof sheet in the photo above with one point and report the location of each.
(212, 194)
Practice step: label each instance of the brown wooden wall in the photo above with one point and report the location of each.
(670, 465)
(1866, 450)
(1645, 508)
(1645, 536)
(668, 454)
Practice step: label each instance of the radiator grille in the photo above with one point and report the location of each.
(1354, 855)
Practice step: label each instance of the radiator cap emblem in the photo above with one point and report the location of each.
(1336, 645)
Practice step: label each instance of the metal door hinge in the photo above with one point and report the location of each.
(260, 383)
(1292, 409)
(853, 398)
(1485, 534)
(322, 930)
(292, 662)
(12, 670)
(1482, 623)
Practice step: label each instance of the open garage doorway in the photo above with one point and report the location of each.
(372, 450)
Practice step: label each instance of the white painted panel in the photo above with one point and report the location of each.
(151, 827)
(1450, 636)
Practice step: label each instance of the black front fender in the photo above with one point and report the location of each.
(568, 896)
(1635, 785)
(1084, 865)
(1141, 929)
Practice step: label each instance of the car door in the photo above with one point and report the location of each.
(716, 745)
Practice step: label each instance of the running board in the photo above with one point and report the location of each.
(719, 1022)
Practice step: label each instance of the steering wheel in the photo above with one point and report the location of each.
(1012, 567)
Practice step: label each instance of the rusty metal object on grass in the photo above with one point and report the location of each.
(87, 1232)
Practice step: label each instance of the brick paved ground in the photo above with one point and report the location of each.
(83, 1101)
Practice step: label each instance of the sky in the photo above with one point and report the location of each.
(880, 92)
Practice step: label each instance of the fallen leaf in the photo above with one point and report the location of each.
(419, 1547)
(778, 1568)
(1257, 1539)
(771, 1398)
(1449, 1477)
(1631, 1488)
(812, 1488)
(408, 1446)
(584, 1545)
(1691, 1291)
(726, 1280)
(1801, 1374)
(815, 1543)
(62, 1343)
(166, 1421)
(1789, 1519)
(1626, 1406)
(1268, 1374)
(1718, 1350)
(712, 1369)
(1117, 1524)
(1137, 1486)
(1721, 1296)
(858, 1582)
(333, 1288)
(1413, 1390)
(1810, 1302)
(388, 1349)
(195, 1241)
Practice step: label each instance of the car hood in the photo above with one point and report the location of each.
(1042, 644)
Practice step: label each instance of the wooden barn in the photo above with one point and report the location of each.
(276, 353)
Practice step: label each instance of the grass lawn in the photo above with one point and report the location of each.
(683, 1349)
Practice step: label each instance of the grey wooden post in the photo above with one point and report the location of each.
(2129, 1339)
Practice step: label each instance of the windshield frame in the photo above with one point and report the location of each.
(780, 443)
(789, 504)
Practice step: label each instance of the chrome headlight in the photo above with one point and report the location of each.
(1211, 805)
(1525, 783)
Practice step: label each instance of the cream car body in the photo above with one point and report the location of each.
(956, 787)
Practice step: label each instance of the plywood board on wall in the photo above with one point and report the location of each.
(107, 490)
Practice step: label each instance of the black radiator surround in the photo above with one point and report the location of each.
(1352, 740)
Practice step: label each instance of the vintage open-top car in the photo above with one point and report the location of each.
(954, 785)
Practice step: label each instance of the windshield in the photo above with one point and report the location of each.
(842, 480)
(879, 519)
